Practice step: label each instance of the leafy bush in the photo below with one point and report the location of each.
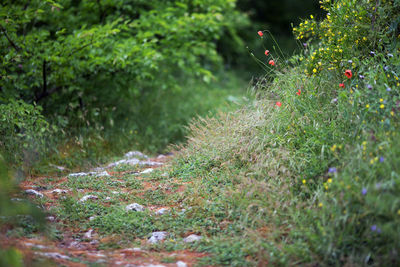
(23, 130)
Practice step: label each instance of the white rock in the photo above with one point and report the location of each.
(157, 236)
(88, 234)
(34, 193)
(102, 174)
(134, 154)
(53, 255)
(50, 218)
(133, 249)
(134, 207)
(88, 197)
(149, 170)
(161, 156)
(192, 238)
(181, 264)
(61, 168)
(150, 163)
(91, 218)
(59, 191)
(133, 161)
(161, 211)
(108, 198)
(80, 174)
(35, 245)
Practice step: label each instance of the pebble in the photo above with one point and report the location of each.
(50, 218)
(53, 255)
(134, 207)
(80, 174)
(192, 238)
(157, 236)
(133, 161)
(88, 197)
(59, 191)
(34, 193)
(181, 264)
(150, 163)
(133, 154)
(161, 211)
(88, 234)
(149, 170)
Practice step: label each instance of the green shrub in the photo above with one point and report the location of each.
(23, 131)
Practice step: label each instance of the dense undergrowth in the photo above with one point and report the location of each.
(309, 173)
(84, 73)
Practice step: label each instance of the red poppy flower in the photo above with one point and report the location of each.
(266, 52)
(341, 85)
(348, 74)
(298, 92)
(260, 33)
(278, 104)
(271, 62)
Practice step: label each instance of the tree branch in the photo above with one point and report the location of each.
(16, 47)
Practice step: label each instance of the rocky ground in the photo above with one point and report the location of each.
(116, 215)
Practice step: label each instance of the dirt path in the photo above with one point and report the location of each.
(87, 217)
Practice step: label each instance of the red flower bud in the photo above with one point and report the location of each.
(341, 85)
(278, 104)
(260, 33)
(266, 52)
(271, 62)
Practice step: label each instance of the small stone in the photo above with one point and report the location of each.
(150, 163)
(60, 168)
(192, 238)
(91, 218)
(77, 174)
(161, 211)
(161, 156)
(88, 197)
(94, 242)
(59, 191)
(34, 193)
(134, 154)
(102, 174)
(157, 236)
(50, 218)
(149, 170)
(53, 255)
(134, 207)
(80, 174)
(181, 264)
(88, 234)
